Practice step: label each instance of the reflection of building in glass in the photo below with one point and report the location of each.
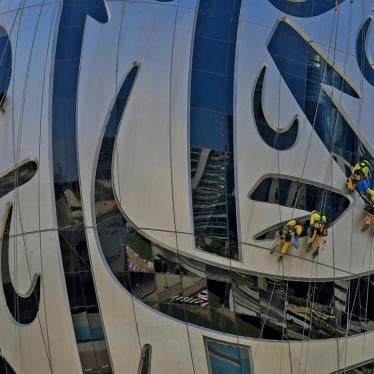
(212, 200)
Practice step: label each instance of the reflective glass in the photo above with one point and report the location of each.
(305, 8)
(221, 300)
(214, 202)
(23, 309)
(278, 140)
(225, 358)
(246, 298)
(211, 127)
(310, 310)
(299, 195)
(117, 238)
(367, 368)
(195, 292)
(168, 282)
(5, 368)
(5, 64)
(145, 360)
(363, 61)
(272, 304)
(17, 177)
(304, 70)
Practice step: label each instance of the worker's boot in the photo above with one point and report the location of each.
(315, 253)
(350, 185)
(310, 245)
(277, 244)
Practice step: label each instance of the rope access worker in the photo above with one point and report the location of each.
(317, 231)
(359, 180)
(288, 235)
(360, 173)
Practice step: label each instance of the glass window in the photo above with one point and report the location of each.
(195, 292)
(246, 298)
(5, 368)
(23, 309)
(306, 8)
(118, 240)
(300, 195)
(310, 310)
(5, 64)
(17, 177)
(214, 202)
(145, 360)
(226, 358)
(221, 300)
(272, 303)
(168, 282)
(367, 368)
(364, 64)
(211, 126)
(278, 140)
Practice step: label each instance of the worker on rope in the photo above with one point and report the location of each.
(360, 173)
(317, 231)
(359, 180)
(288, 235)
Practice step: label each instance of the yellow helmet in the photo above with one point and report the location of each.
(366, 162)
(314, 211)
(298, 230)
(291, 223)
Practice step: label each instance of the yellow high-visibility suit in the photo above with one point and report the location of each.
(289, 230)
(318, 229)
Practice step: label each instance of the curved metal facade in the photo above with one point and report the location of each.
(149, 151)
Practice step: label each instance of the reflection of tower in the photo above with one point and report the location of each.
(341, 294)
(209, 193)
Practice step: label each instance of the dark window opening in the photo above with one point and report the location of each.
(113, 231)
(145, 360)
(23, 309)
(5, 368)
(366, 368)
(306, 8)
(367, 68)
(17, 177)
(5, 64)
(298, 195)
(275, 139)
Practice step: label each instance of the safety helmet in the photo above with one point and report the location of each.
(314, 211)
(291, 223)
(298, 230)
(366, 162)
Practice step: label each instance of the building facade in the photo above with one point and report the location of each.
(150, 150)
